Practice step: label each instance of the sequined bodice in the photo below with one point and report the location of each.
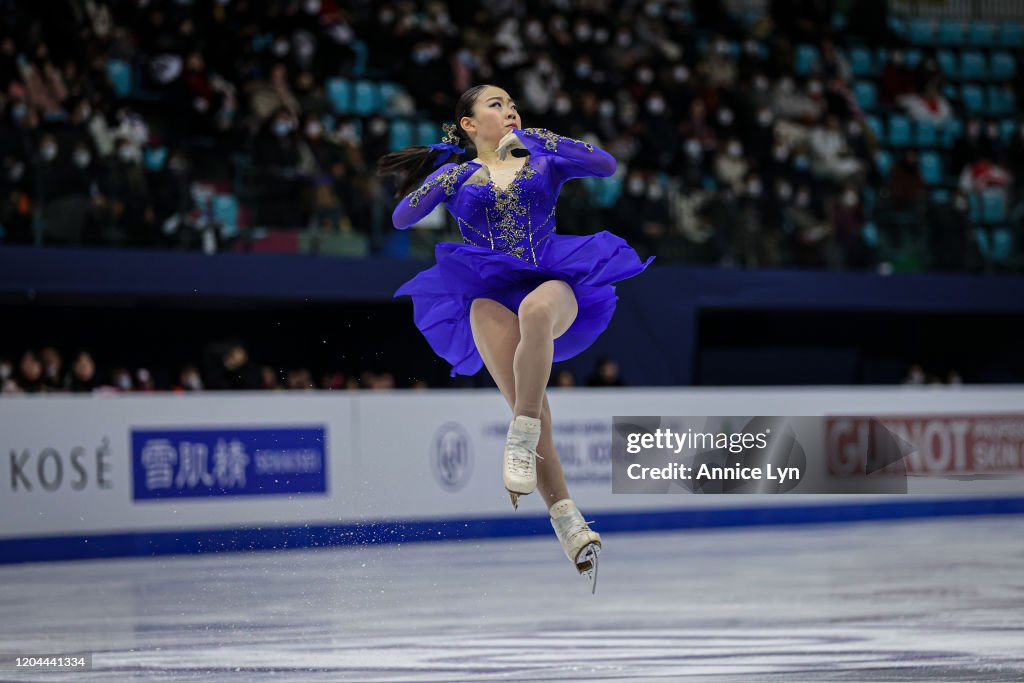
(519, 219)
(515, 220)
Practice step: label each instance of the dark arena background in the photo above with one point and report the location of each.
(197, 260)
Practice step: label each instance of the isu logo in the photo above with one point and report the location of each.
(451, 456)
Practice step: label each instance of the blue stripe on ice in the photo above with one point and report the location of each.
(221, 540)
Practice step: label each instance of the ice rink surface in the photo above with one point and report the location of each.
(926, 600)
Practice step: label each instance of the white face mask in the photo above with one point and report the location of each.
(681, 74)
(764, 117)
(656, 105)
(607, 108)
(636, 186)
(780, 153)
(693, 149)
(735, 150)
(124, 382)
(784, 191)
(314, 129)
(760, 84)
(645, 75)
(5, 371)
(81, 158)
(850, 199)
(725, 117)
(125, 154)
(48, 151)
(562, 106)
(754, 188)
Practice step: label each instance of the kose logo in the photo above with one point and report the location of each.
(49, 469)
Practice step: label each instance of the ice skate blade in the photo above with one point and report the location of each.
(515, 500)
(586, 564)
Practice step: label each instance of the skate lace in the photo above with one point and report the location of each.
(572, 526)
(519, 461)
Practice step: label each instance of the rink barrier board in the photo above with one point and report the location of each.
(385, 481)
(100, 546)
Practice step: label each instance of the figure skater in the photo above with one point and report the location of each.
(515, 295)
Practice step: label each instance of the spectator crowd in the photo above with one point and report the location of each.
(730, 152)
(226, 366)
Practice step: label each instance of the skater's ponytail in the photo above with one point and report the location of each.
(413, 164)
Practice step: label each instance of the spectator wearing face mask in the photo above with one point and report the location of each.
(847, 226)
(189, 379)
(53, 365)
(809, 231)
(82, 376)
(267, 98)
(830, 157)
(731, 167)
(719, 67)
(277, 158)
(949, 234)
(30, 374)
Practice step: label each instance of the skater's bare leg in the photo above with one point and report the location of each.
(496, 333)
(544, 315)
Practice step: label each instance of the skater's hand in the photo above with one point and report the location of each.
(508, 143)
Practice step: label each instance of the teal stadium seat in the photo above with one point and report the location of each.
(913, 57)
(921, 32)
(951, 132)
(1007, 128)
(861, 64)
(401, 135)
(870, 234)
(947, 63)
(950, 32)
(1000, 102)
(925, 134)
(972, 66)
(120, 74)
(993, 206)
(1011, 35)
(866, 94)
(972, 98)
(428, 133)
(1004, 66)
(876, 126)
(154, 158)
(806, 59)
(931, 168)
(982, 34)
(883, 162)
(365, 98)
(339, 92)
(225, 211)
(899, 131)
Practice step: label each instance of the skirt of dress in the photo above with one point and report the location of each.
(442, 295)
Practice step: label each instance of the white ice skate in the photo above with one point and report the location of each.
(581, 545)
(520, 467)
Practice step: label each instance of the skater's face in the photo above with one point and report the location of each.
(494, 115)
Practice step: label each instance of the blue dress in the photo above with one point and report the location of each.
(510, 247)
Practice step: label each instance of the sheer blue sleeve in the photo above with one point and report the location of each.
(569, 158)
(438, 186)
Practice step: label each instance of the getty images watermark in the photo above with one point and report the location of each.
(658, 454)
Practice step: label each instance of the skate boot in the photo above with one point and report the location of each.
(581, 545)
(520, 467)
